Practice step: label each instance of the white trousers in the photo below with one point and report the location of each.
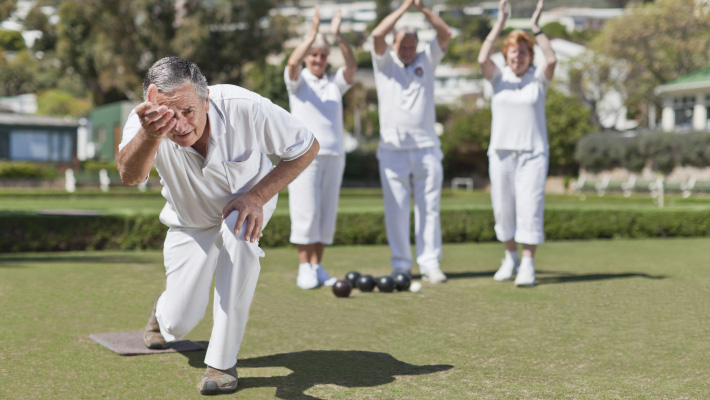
(192, 257)
(518, 195)
(404, 174)
(313, 200)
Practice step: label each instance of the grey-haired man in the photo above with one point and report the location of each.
(409, 151)
(209, 145)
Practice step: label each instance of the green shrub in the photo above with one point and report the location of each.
(31, 232)
(11, 40)
(664, 151)
(26, 170)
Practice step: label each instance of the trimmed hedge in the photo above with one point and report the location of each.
(31, 232)
(27, 170)
(664, 150)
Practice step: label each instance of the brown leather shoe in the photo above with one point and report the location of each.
(216, 381)
(152, 337)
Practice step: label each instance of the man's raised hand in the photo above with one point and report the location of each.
(156, 120)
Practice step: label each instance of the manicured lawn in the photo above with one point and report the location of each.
(618, 319)
(130, 201)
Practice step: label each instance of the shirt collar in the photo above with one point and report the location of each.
(308, 75)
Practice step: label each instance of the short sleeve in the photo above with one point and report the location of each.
(434, 53)
(379, 62)
(292, 86)
(279, 133)
(130, 130)
(340, 81)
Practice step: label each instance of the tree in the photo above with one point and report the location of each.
(17, 74)
(11, 40)
(7, 7)
(111, 44)
(567, 121)
(555, 30)
(657, 42)
(61, 103)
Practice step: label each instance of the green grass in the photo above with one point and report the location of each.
(131, 201)
(615, 319)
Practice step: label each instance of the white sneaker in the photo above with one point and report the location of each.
(307, 277)
(526, 275)
(506, 271)
(324, 278)
(434, 275)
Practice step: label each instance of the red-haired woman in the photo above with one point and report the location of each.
(518, 152)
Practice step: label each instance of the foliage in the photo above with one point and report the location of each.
(23, 170)
(567, 121)
(657, 42)
(663, 151)
(112, 44)
(463, 52)
(37, 20)
(31, 232)
(6, 8)
(11, 40)
(465, 142)
(555, 30)
(61, 103)
(268, 81)
(361, 166)
(17, 74)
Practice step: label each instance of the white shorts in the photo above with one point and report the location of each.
(518, 194)
(313, 200)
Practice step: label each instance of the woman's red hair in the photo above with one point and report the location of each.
(516, 38)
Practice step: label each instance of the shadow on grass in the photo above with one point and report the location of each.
(570, 278)
(346, 368)
(561, 277)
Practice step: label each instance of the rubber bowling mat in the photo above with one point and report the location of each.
(131, 344)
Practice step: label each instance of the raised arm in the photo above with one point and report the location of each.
(345, 48)
(443, 33)
(386, 25)
(250, 204)
(300, 52)
(488, 68)
(136, 159)
(544, 42)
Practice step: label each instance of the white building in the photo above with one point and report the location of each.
(686, 102)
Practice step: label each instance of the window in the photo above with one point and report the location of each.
(40, 146)
(683, 107)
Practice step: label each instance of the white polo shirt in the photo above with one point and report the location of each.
(318, 104)
(244, 127)
(406, 98)
(518, 108)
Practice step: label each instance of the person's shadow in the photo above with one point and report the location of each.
(346, 368)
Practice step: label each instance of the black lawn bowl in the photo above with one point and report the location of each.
(352, 277)
(342, 288)
(402, 282)
(385, 284)
(366, 283)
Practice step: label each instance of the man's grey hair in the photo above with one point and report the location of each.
(170, 73)
(406, 31)
(320, 42)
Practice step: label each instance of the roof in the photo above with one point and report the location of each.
(699, 79)
(37, 120)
